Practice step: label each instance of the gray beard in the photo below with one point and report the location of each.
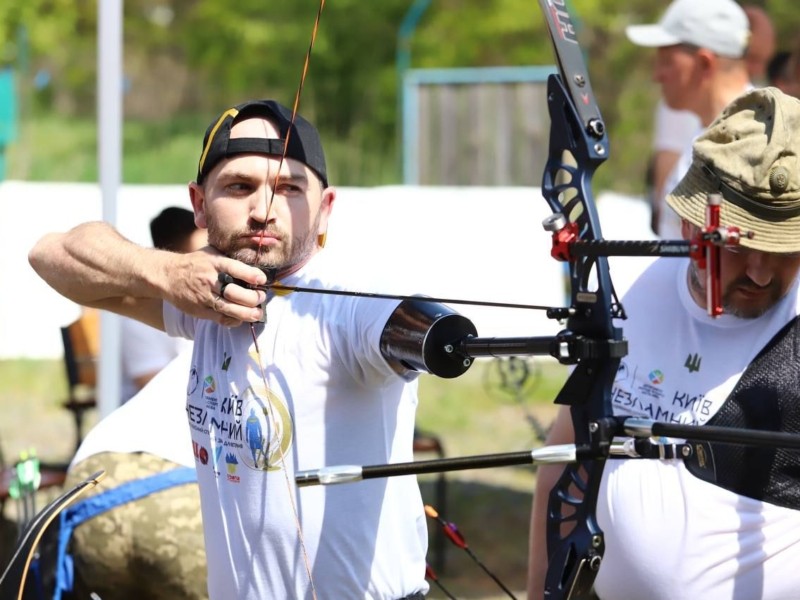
(727, 306)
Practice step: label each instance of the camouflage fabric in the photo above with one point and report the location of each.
(149, 549)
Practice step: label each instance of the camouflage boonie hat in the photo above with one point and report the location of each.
(750, 156)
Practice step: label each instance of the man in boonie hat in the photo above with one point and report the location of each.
(726, 518)
(750, 156)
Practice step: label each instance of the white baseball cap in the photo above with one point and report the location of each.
(719, 25)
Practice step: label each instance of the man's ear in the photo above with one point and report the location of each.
(706, 61)
(688, 230)
(197, 197)
(325, 208)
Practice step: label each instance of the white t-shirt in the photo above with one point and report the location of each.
(145, 350)
(674, 128)
(669, 534)
(330, 399)
(153, 421)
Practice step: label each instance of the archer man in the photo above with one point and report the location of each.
(311, 379)
(725, 523)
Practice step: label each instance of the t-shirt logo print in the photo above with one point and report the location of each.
(693, 362)
(268, 430)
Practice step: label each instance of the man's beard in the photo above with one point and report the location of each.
(748, 311)
(288, 254)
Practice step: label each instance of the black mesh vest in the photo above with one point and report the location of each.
(766, 397)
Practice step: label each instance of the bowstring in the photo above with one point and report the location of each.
(261, 367)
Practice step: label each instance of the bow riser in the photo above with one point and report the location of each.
(578, 146)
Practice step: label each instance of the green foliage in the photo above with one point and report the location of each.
(57, 149)
(192, 57)
(52, 148)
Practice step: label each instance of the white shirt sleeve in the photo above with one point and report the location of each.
(674, 129)
(145, 349)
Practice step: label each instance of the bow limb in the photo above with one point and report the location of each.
(578, 145)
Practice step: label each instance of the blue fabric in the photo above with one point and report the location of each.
(96, 505)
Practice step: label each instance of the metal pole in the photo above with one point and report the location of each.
(403, 61)
(109, 147)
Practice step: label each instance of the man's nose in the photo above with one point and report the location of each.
(260, 208)
(760, 268)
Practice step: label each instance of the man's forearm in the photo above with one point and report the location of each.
(94, 265)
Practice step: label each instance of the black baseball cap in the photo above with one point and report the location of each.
(304, 142)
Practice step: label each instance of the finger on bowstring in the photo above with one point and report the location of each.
(247, 274)
(232, 291)
(230, 322)
(224, 320)
(231, 310)
(224, 280)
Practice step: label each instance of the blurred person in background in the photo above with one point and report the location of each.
(778, 71)
(139, 534)
(676, 128)
(761, 45)
(791, 74)
(700, 65)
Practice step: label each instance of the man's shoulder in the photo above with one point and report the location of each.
(657, 275)
(336, 270)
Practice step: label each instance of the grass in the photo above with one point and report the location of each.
(31, 392)
(474, 414)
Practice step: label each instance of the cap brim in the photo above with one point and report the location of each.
(652, 36)
(689, 200)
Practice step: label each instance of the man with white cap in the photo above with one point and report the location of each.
(700, 65)
(725, 521)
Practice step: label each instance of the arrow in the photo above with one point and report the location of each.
(431, 574)
(455, 536)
